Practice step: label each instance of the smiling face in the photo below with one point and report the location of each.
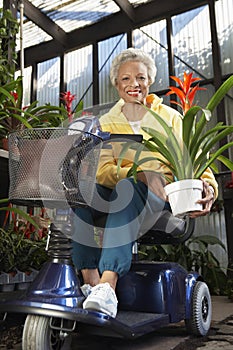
(132, 81)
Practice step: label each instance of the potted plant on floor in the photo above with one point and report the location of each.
(22, 250)
(189, 157)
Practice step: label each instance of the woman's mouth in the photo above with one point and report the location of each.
(133, 93)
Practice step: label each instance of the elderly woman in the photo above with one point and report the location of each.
(132, 207)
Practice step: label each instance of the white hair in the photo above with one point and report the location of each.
(132, 54)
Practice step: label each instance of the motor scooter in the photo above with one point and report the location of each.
(56, 168)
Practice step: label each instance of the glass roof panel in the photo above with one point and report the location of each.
(73, 14)
(32, 35)
(69, 15)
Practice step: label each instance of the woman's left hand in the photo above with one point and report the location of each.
(207, 201)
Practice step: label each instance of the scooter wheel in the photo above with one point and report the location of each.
(201, 310)
(38, 335)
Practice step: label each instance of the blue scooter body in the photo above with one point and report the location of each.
(150, 296)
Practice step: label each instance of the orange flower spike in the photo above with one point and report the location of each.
(192, 93)
(185, 92)
(180, 94)
(189, 80)
(178, 81)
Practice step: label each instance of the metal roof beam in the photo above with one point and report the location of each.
(127, 9)
(109, 27)
(44, 22)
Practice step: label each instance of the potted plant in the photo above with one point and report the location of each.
(22, 249)
(189, 157)
(15, 117)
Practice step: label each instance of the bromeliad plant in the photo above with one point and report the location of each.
(13, 116)
(189, 157)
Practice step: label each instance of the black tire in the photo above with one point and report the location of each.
(201, 310)
(37, 335)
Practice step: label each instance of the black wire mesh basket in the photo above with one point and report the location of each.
(53, 167)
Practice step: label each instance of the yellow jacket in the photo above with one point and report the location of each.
(115, 122)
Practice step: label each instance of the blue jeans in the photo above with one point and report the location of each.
(130, 210)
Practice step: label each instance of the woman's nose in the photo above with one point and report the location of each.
(134, 83)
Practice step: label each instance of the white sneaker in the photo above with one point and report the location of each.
(86, 289)
(102, 298)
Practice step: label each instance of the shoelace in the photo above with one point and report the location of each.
(103, 288)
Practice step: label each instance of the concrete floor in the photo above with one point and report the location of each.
(163, 339)
(167, 338)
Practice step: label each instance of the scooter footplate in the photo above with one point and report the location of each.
(127, 324)
(139, 323)
(133, 319)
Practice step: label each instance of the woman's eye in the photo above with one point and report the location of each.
(141, 78)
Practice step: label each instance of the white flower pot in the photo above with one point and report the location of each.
(183, 196)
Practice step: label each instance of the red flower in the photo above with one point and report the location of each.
(15, 95)
(185, 92)
(68, 98)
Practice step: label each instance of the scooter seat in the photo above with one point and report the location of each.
(167, 230)
(180, 230)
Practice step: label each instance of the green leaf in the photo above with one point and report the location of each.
(196, 140)
(212, 104)
(220, 93)
(133, 171)
(212, 159)
(21, 213)
(214, 168)
(7, 94)
(78, 109)
(208, 240)
(188, 122)
(125, 148)
(31, 106)
(4, 200)
(169, 150)
(22, 120)
(169, 131)
(226, 130)
(161, 141)
(227, 162)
